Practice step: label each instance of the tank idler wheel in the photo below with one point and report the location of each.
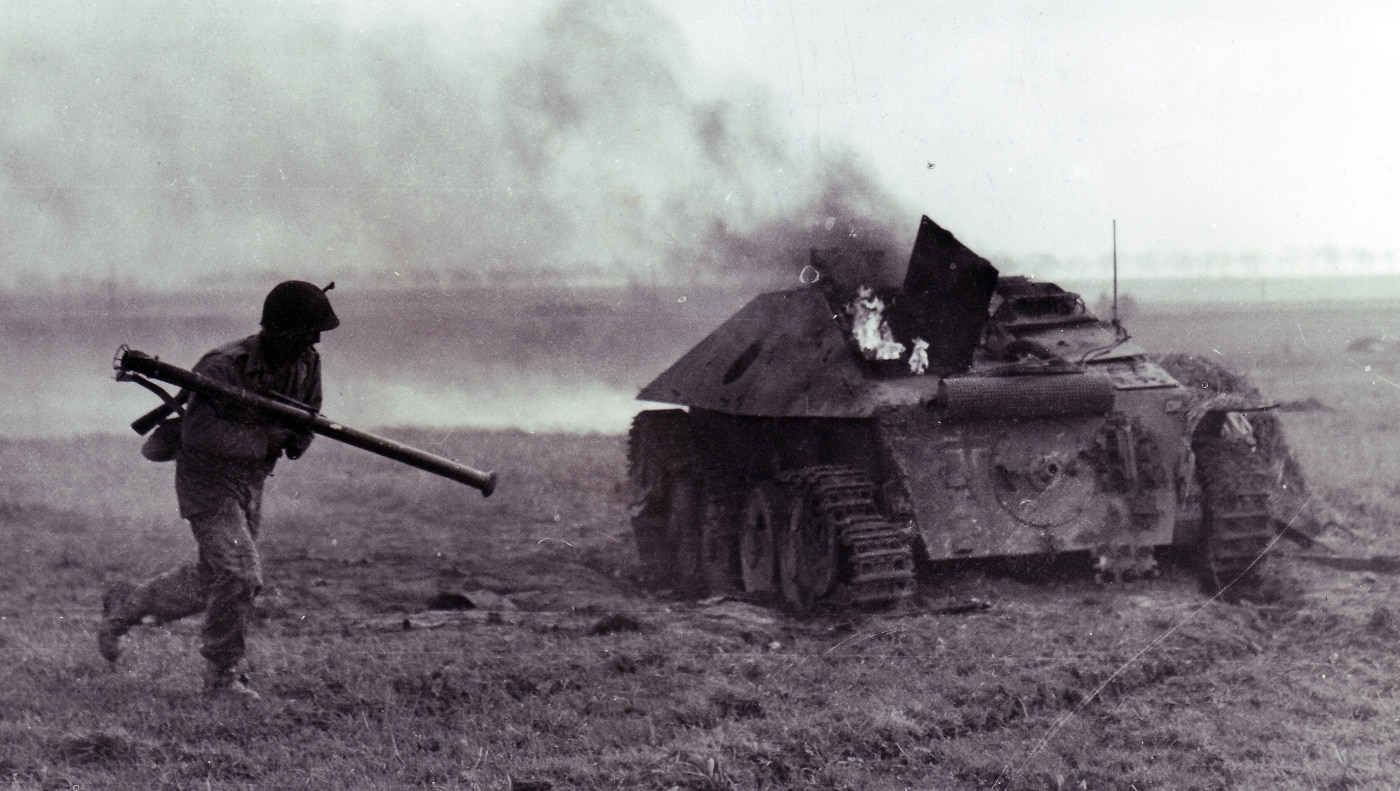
(807, 557)
(763, 525)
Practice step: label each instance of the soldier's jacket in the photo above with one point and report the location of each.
(227, 445)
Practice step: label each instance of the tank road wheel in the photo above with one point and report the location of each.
(807, 558)
(666, 500)
(764, 523)
(699, 554)
(685, 512)
(1235, 486)
(668, 535)
(720, 562)
(684, 517)
(649, 531)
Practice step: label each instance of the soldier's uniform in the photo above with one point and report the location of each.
(226, 453)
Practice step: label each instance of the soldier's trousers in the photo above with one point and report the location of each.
(222, 583)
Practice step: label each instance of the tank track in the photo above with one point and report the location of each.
(1235, 504)
(658, 444)
(876, 555)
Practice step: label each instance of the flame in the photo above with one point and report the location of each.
(918, 358)
(869, 328)
(1238, 426)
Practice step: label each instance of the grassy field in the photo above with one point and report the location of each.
(569, 675)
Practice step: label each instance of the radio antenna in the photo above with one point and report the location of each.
(1115, 273)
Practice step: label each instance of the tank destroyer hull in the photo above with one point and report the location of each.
(833, 434)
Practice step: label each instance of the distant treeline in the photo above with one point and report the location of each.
(1318, 261)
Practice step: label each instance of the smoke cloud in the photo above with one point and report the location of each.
(180, 143)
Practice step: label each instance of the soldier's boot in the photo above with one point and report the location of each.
(228, 683)
(116, 620)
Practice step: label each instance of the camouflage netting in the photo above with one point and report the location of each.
(1292, 501)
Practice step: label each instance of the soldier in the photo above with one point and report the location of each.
(226, 452)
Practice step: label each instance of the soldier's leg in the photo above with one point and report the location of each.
(234, 575)
(177, 593)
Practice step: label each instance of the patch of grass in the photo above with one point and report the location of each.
(594, 683)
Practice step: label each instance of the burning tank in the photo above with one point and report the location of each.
(832, 434)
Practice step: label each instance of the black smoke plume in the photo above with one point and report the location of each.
(166, 143)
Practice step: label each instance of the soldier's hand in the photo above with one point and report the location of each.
(298, 444)
(278, 440)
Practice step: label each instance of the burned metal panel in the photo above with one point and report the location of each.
(947, 291)
(940, 264)
(1001, 487)
(783, 354)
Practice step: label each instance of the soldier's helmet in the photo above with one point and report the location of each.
(295, 306)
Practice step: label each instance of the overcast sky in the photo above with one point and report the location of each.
(161, 139)
(1200, 126)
